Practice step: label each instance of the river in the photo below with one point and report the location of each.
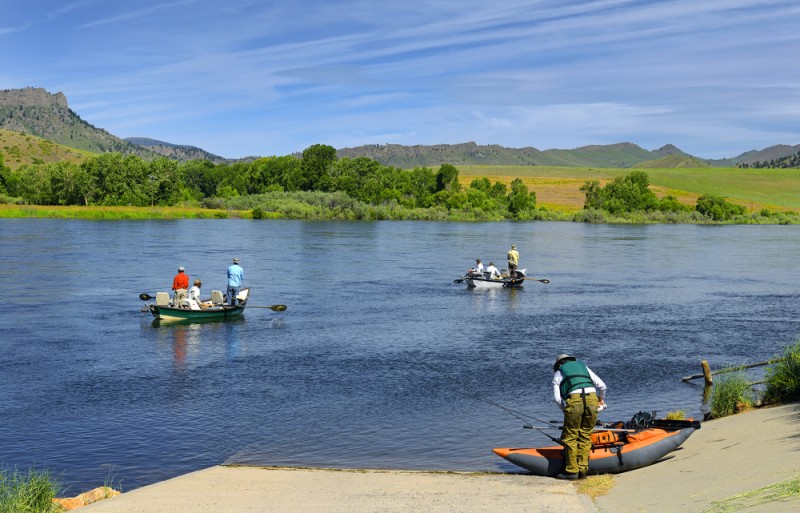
(380, 360)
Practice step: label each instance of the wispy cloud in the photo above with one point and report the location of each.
(540, 73)
(135, 14)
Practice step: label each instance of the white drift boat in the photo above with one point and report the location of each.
(485, 281)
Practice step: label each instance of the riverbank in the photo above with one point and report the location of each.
(298, 210)
(731, 464)
(725, 459)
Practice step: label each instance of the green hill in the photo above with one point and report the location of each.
(19, 149)
(673, 161)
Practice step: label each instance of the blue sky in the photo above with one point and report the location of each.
(251, 77)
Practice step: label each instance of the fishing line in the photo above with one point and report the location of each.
(466, 390)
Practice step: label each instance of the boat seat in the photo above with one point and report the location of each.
(162, 299)
(216, 297)
(242, 295)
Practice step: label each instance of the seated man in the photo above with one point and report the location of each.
(194, 296)
(477, 270)
(493, 272)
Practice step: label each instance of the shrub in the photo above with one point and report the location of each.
(718, 208)
(783, 378)
(730, 395)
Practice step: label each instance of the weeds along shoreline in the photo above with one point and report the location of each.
(299, 211)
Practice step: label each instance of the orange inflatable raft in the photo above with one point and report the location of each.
(614, 450)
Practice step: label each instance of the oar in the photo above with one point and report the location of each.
(535, 279)
(276, 308)
(145, 297)
(597, 428)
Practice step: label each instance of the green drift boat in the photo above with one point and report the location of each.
(214, 309)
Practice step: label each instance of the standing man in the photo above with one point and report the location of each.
(180, 284)
(578, 392)
(513, 261)
(235, 280)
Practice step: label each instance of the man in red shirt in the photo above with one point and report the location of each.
(180, 285)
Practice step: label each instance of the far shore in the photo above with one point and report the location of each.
(553, 213)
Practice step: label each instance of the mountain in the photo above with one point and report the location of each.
(620, 155)
(35, 111)
(777, 152)
(179, 152)
(669, 150)
(39, 113)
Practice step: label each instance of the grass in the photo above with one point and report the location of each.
(31, 492)
(676, 415)
(111, 213)
(731, 394)
(783, 378)
(19, 149)
(558, 187)
(595, 486)
(788, 490)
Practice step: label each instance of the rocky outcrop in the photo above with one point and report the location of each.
(32, 97)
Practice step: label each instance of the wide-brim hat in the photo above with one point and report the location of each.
(236, 260)
(560, 358)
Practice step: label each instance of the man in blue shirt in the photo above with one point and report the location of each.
(235, 279)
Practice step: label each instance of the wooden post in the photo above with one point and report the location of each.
(707, 372)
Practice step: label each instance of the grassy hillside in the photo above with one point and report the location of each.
(558, 188)
(673, 161)
(19, 149)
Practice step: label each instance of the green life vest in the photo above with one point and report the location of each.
(575, 376)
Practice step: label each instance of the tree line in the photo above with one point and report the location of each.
(116, 179)
(789, 161)
(318, 185)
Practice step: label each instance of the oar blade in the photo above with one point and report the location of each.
(145, 297)
(278, 308)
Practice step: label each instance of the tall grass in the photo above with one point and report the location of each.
(783, 378)
(731, 394)
(31, 492)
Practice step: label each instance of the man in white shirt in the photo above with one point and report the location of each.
(579, 393)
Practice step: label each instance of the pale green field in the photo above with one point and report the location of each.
(559, 187)
(108, 213)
